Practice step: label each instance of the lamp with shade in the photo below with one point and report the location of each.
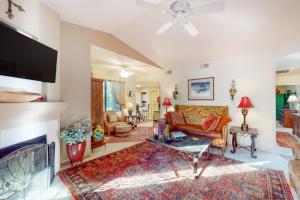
(245, 104)
(167, 103)
(292, 99)
(129, 106)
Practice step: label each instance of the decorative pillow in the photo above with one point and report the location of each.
(177, 118)
(112, 118)
(225, 120)
(208, 123)
(216, 123)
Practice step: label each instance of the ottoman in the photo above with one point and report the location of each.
(123, 130)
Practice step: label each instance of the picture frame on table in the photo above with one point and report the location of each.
(201, 89)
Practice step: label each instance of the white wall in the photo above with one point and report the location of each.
(293, 79)
(254, 77)
(44, 24)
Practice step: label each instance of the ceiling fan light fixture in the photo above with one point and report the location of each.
(124, 73)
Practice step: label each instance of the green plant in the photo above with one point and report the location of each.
(77, 132)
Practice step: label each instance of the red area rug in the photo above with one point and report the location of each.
(138, 134)
(151, 171)
(284, 139)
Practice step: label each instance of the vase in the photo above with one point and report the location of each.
(76, 151)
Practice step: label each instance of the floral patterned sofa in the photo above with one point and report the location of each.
(194, 116)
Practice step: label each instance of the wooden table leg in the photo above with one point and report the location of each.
(253, 146)
(234, 143)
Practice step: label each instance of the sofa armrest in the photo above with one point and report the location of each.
(296, 151)
(225, 135)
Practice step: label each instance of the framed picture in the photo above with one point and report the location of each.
(201, 89)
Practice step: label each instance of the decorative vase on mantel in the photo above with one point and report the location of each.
(75, 139)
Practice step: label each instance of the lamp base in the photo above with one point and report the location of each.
(244, 127)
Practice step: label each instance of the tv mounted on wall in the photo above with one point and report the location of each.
(23, 57)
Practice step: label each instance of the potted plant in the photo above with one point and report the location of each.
(75, 139)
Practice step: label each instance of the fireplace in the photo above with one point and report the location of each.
(22, 163)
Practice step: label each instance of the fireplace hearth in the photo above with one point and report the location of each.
(20, 163)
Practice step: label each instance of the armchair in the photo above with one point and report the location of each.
(294, 168)
(111, 120)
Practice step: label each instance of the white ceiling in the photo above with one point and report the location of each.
(244, 26)
(108, 65)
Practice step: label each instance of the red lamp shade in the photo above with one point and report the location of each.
(167, 102)
(245, 103)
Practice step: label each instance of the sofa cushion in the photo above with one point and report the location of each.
(177, 118)
(224, 120)
(294, 168)
(209, 122)
(112, 118)
(197, 131)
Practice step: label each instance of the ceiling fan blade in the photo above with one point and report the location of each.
(166, 26)
(148, 3)
(190, 28)
(209, 8)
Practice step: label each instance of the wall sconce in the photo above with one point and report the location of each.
(232, 90)
(175, 92)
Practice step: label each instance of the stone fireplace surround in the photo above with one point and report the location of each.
(20, 122)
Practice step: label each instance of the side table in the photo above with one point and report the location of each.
(236, 130)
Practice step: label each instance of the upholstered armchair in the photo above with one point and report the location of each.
(111, 119)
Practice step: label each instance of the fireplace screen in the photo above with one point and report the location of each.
(18, 169)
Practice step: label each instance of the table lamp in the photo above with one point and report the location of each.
(292, 99)
(244, 105)
(167, 103)
(129, 106)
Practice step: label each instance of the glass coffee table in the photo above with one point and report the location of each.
(194, 147)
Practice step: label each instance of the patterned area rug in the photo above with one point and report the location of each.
(138, 134)
(284, 139)
(150, 171)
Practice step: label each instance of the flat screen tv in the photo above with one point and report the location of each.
(23, 57)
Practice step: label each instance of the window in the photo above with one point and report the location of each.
(109, 102)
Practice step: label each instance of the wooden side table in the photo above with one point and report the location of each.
(236, 130)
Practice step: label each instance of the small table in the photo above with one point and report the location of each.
(236, 130)
(194, 147)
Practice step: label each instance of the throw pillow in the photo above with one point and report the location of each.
(112, 118)
(177, 118)
(216, 123)
(225, 120)
(209, 122)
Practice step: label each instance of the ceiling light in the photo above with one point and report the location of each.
(124, 73)
(138, 86)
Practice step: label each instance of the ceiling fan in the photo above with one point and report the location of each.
(180, 10)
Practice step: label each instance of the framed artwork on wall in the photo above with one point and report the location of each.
(201, 89)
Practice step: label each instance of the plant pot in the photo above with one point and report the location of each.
(76, 151)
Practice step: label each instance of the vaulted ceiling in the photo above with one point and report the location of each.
(244, 26)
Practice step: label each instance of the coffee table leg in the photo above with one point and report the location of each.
(196, 160)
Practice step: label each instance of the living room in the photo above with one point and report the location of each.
(214, 56)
